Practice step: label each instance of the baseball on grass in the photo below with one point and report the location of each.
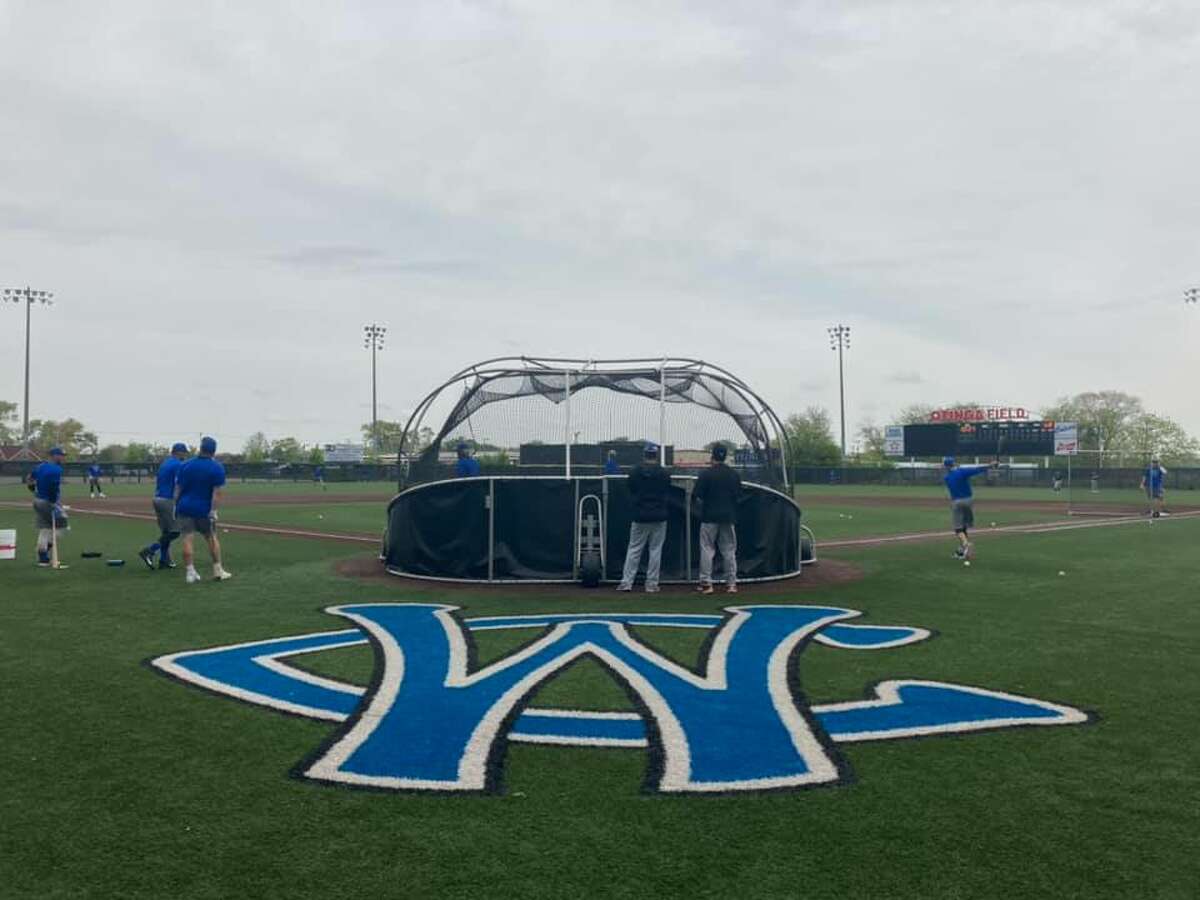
(966, 562)
(1061, 572)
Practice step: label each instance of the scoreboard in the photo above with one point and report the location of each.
(980, 439)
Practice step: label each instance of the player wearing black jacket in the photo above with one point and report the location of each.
(717, 490)
(649, 485)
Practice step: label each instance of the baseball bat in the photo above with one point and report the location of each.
(53, 538)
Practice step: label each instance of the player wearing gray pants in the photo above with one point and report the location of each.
(641, 535)
(717, 491)
(714, 536)
(649, 484)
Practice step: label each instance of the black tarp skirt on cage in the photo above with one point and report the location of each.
(520, 528)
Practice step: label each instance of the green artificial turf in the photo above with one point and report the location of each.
(120, 782)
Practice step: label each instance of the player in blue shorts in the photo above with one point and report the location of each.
(94, 490)
(164, 509)
(197, 494)
(962, 502)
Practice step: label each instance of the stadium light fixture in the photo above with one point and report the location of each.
(29, 297)
(839, 342)
(1192, 295)
(373, 336)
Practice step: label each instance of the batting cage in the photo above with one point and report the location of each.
(514, 470)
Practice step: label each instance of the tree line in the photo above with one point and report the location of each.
(1115, 425)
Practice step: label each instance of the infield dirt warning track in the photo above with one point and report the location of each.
(124, 508)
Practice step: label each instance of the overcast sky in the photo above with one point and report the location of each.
(1002, 200)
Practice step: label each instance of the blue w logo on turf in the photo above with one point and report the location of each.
(435, 722)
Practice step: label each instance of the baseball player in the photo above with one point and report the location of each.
(649, 487)
(94, 490)
(467, 466)
(164, 510)
(46, 484)
(717, 490)
(962, 502)
(197, 494)
(1152, 484)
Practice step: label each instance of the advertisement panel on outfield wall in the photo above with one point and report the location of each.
(1066, 438)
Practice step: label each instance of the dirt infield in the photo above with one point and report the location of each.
(102, 508)
(230, 500)
(991, 502)
(827, 572)
(1037, 528)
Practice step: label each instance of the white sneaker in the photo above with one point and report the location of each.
(220, 574)
(192, 577)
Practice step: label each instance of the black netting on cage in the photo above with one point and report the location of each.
(503, 408)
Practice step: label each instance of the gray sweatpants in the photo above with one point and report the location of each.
(641, 534)
(712, 536)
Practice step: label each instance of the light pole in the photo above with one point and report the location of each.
(373, 340)
(1192, 295)
(839, 340)
(28, 296)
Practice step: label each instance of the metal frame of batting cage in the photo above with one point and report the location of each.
(509, 366)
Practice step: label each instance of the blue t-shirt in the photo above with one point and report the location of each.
(958, 481)
(466, 467)
(612, 467)
(48, 480)
(93, 471)
(197, 479)
(168, 474)
(1154, 478)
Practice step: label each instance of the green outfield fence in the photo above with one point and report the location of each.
(1178, 478)
(132, 473)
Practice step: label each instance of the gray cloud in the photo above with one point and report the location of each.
(1006, 193)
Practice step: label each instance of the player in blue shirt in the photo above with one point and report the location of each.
(197, 493)
(467, 466)
(611, 466)
(94, 489)
(164, 509)
(46, 483)
(962, 502)
(1153, 484)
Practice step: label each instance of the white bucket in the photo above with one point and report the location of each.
(8, 543)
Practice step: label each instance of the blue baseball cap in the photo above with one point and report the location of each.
(948, 462)
(208, 445)
(650, 449)
(179, 447)
(57, 451)
(719, 452)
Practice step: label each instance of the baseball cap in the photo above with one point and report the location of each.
(179, 447)
(208, 445)
(650, 449)
(719, 452)
(948, 461)
(57, 451)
